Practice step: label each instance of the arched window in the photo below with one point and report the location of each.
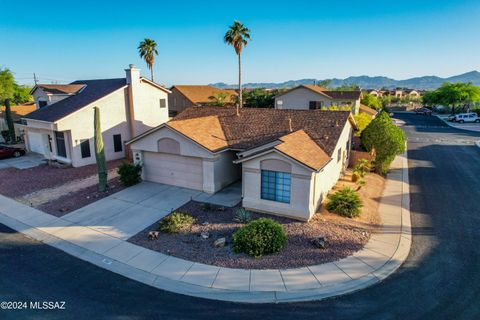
(168, 145)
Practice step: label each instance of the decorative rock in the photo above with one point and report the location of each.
(153, 235)
(220, 243)
(319, 242)
(205, 235)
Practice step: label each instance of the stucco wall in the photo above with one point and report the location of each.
(323, 181)
(300, 188)
(300, 99)
(178, 102)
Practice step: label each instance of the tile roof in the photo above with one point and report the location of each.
(217, 128)
(93, 90)
(201, 94)
(332, 94)
(348, 95)
(299, 146)
(59, 88)
(19, 110)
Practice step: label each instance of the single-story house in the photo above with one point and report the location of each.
(62, 128)
(310, 97)
(185, 96)
(287, 160)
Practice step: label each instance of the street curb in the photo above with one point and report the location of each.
(338, 288)
(454, 127)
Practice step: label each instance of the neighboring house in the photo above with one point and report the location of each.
(185, 96)
(46, 94)
(287, 160)
(63, 130)
(412, 93)
(367, 110)
(311, 97)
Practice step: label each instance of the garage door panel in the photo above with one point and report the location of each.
(174, 170)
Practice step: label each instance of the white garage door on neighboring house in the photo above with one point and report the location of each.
(36, 142)
(173, 169)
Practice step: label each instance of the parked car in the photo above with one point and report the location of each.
(11, 152)
(424, 111)
(466, 117)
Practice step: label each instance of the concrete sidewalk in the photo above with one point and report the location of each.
(383, 254)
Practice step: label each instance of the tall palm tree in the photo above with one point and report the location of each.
(238, 36)
(147, 50)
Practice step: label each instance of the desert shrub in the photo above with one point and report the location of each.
(130, 174)
(175, 222)
(260, 237)
(361, 168)
(242, 215)
(355, 177)
(386, 139)
(345, 202)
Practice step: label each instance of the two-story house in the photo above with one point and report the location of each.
(62, 128)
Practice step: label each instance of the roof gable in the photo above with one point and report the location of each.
(63, 89)
(299, 146)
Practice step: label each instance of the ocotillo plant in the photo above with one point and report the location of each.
(99, 152)
(9, 120)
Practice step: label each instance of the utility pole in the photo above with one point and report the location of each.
(35, 78)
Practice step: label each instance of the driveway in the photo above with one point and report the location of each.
(129, 211)
(27, 161)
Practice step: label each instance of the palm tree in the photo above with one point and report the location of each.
(147, 50)
(237, 36)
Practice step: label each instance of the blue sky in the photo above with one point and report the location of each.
(67, 40)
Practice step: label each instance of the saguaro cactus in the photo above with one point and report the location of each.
(99, 152)
(9, 120)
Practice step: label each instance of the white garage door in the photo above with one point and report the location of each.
(36, 142)
(173, 169)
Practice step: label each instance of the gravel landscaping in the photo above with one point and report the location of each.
(19, 182)
(78, 199)
(344, 236)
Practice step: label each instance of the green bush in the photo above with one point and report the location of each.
(259, 237)
(361, 168)
(130, 174)
(355, 177)
(345, 202)
(175, 222)
(362, 120)
(388, 140)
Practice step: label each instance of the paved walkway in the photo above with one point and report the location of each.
(27, 161)
(125, 213)
(383, 254)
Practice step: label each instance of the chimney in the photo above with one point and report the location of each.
(133, 74)
(290, 124)
(133, 82)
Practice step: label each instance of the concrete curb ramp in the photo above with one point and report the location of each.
(382, 255)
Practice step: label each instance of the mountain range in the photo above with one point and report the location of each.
(367, 82)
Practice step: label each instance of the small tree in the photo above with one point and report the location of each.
(9, 120)
(218, 99)
(362, 120)
(100, 152)
(371, 101)
(386, 139)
